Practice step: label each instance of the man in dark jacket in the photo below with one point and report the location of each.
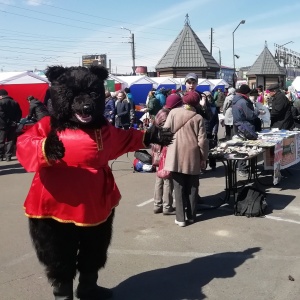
(10, 115)
(243, 112)
(37, 110)
(281, 114)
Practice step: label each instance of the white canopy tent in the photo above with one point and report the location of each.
(296, 84)
(132, 80)
(218, 82)
(21, 78)
(164, 81)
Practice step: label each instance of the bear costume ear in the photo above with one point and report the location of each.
(99, 71)
(54, 72)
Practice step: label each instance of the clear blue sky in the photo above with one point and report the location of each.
(37, 33)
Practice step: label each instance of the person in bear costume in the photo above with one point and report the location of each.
(73, 194)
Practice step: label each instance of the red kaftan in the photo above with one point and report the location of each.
(79, 188)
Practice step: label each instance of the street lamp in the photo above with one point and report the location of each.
(219, 60)
(233, 54)
(132, 49)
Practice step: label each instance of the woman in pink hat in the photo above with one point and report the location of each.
(163, 190)
(186, 155)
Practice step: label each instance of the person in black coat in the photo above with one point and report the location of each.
(281, 113)
(122, 112)
(10, 115)
(37, 110)
(212, 127)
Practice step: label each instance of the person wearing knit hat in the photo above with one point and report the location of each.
(244, 112)
(191, 76)
(163, 189)
(281, 113)
(243, 89)
(186, 155)
(191, 98)
(173, 101)
(191, 82)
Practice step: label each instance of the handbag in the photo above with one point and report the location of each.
(156, 153)
(161, 172)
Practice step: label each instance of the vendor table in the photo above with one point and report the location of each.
(231, 183)
(283, 150)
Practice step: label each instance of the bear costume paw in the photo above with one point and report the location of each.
(158, 135)
(54, 148)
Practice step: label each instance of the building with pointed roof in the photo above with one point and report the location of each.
(266, 70)
(187, 54)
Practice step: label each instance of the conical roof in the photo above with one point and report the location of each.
(187, 51)
(266, 64)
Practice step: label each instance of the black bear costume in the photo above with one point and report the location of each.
(73, 194)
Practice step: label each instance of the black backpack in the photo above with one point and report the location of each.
(143, 156)
(250, 202)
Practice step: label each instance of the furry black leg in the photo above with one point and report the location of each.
(89, 290)
(56, 246)
(63, 291)
(94, 242)
(91, 259)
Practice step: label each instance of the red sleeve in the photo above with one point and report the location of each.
(124, 141)
(30, 146)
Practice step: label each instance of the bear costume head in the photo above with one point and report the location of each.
(77, 96)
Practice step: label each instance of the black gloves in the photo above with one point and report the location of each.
(54, 148)
(158, 135)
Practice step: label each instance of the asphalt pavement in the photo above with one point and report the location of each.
(221, 256)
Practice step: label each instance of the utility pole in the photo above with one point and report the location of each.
(132, 49)
(211, 39)
(220, 61)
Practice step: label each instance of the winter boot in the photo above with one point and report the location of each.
(63, 291)
(89, 290)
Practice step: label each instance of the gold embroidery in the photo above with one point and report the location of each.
(70, 221)
(99, 141)
(44, 154)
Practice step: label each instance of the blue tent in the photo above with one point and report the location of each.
(139, 86)
(164, 82)
(218, 83)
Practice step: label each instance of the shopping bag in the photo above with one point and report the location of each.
(161, 172)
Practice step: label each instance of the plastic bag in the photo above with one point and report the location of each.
(161, 172)
(266, 117)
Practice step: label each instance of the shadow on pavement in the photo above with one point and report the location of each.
(184, 281)
(11, 168)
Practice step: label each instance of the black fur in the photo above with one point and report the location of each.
(74, 91)
(73, 88)
(64, 248)
(54, 148)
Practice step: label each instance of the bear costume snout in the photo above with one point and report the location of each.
(84, 108)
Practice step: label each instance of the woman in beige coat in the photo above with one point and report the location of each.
(185, 155)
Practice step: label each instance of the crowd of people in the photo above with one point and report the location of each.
(194, 117)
